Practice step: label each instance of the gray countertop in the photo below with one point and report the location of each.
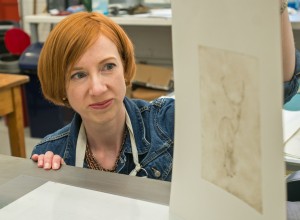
(19, 176)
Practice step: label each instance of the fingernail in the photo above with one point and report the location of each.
(55, 166)
(47, 165)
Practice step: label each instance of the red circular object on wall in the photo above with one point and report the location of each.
(16, 41)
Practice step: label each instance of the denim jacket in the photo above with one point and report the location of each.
(153, 127)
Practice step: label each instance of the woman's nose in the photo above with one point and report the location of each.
(97, 85)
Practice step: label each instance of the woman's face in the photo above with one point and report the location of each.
(96, 86)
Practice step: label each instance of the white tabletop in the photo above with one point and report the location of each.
(124, 20)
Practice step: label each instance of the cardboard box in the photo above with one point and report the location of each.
(154, 77)
(151, 82)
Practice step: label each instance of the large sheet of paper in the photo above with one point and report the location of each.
(61, 202)
(228, 161)
(291, 124)
(291, 136)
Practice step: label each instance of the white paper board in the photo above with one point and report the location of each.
(228, 161)
(62, 202)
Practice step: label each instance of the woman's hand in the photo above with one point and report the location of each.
(48, 160)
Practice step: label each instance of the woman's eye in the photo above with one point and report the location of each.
(108, 66)
(78, 75)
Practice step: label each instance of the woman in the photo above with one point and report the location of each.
(86, 63)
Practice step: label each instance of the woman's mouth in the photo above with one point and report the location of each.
(101, 105)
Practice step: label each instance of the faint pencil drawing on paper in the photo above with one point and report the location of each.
(230, 130)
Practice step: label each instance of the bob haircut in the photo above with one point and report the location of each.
(68, 41)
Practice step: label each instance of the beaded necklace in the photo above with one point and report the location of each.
(92, 163)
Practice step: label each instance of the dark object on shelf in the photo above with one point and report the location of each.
(60, 5)
(137, 9)
(293, 187)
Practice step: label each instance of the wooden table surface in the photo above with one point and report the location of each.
(11, 106)
(8, 81)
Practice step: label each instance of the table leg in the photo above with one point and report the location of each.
(15, 125)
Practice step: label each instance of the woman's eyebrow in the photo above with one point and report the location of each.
(77, 68)
(108, 58)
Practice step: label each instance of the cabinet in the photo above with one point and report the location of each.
(9, 10)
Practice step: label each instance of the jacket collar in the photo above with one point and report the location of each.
(135, 116)
(72, 139)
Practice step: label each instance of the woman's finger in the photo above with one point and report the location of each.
(40, 160)
(48, 160)
(56, 162)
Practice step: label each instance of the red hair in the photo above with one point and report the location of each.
(69, 40)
